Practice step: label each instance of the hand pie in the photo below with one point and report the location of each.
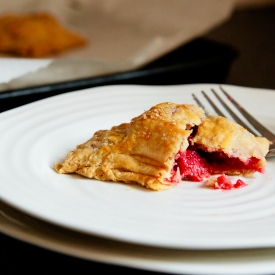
(142, 151)
(35, 35)
(166, 144)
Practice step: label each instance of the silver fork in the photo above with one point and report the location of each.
(262, 130)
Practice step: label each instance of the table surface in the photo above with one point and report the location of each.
(251, 32)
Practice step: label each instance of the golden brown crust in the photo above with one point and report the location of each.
(217, 133)
(142, 151)
(35, 35)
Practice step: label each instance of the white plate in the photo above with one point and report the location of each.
(191, 216)
(46, 235)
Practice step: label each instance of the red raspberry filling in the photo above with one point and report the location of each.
(220, 162)
(198, 165)
(192, 166)
(223, 182)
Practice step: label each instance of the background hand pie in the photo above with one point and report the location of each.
(35, 35)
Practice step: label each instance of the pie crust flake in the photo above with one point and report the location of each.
(166, 144)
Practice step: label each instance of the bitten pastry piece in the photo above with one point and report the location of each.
(166, 144)
(143, 151)
(228, 148)
(35, 35)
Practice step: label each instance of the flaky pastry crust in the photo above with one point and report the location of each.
(141, 151)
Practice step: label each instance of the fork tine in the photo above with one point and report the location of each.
(258, 126)
(236, 118)
(200, 105)
(218, 111)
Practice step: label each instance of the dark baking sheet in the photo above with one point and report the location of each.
(199, 61)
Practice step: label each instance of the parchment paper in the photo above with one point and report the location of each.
(122, 35)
